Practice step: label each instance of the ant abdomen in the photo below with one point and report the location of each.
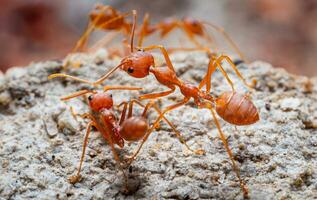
(134, 128)
(236, 109)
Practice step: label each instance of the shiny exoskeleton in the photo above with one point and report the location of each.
(231, 106)
(115, 131)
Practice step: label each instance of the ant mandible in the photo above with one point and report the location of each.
(115, 132)
(141, 63)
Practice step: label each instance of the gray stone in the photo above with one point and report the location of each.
(39, 149)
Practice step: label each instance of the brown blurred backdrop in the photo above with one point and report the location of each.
(282, 32)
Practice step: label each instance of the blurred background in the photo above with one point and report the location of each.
(282, 32)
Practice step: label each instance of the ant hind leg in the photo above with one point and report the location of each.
(233, 66)
(229, 152)
(211, 69)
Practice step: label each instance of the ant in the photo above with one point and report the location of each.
(104, 18)
(190, 26)
(233, 107)
(116, 132)
(107, 18)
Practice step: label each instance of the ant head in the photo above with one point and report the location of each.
(100, 101)
(193, 25)
(138, 64)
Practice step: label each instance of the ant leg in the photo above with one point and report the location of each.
(86, 115)
(106, 88)
(169, 108)
(103, 42)
(74, 179)
(207, 50)
(225, 143)
(73, 112)
(106, 134)
(177, 133)
(223, 57)
(123, 112)
(91, 26)
(210, 39)
(164, 52)
(190, 36)
(145, 25)
(211, 69)
(83, 40)
(157, 95)
(228, 38)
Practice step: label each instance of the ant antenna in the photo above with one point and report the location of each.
(133, 28)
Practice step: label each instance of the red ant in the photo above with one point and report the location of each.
(234, 108)
(107, 18)
(104, 18)
(128, 128)
(189, 25)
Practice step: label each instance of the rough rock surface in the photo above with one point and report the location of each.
(40, 141)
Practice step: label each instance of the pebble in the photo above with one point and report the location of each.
(289, 104)
(67, 121)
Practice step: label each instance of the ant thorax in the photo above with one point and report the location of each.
(190, 90)
(107, 123)
(165, 76)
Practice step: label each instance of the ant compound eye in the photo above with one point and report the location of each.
(130, 70)
(111, 95)
(90, 97)
(238, 62)
(195, 23)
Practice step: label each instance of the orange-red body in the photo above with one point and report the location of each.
(234, 108)
(132, 129)
(109, 19)
(189, 25)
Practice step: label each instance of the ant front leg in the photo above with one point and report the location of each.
(158, 95)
